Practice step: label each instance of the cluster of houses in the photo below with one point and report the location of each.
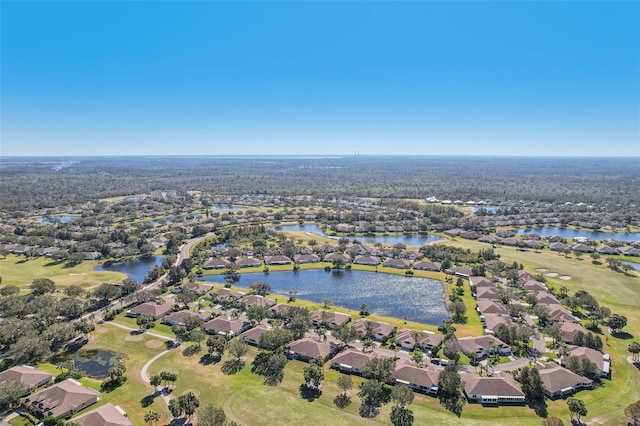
(359, 254)
(64, 399)
(497, 388)
(553, 243)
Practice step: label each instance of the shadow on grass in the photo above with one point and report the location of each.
(540, 408)
(623, 335)
(208, 359)
(309, 394)
(191, 350)
(232, 366)
(148, 400)
(342, 401)
(53, 263)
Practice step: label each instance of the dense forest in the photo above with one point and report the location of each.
(49, 182)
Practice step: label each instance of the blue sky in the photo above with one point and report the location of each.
(442, 78)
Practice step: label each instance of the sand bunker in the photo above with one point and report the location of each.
(551, 274)
(565, 277)
(542, 270)
(133, 337)
(154, 344)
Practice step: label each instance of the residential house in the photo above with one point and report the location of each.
(92, 255)
(352, 360)
(569, 329)
(427, 266)
(484, 345)
(195, 288)
(557, 313)
(533, 285)
(150, 308)
(488, 293)
(178, 318)
(367, 260)
(62, 399)
(379, 331)
(28, 376)
(105, 415)
(252, 336)
(224, 294)
(409, 339)
(228, 327)
(277, 260)
(558, 382)
(460, 271)
(582, 248)
(629, 251)
(254, 299)
(558, 246)
(358, 249)
(486, 306)
(478, 281)
(500, 388)
(216, 263)
(248, 262)
(605, 249)
(397, 263)
(309, 349)
(424, 380)
(329, 319)
(601, 360)
(337, 257)
(493, 322)
(306, 258)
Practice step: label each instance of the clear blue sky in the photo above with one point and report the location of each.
(479, 78)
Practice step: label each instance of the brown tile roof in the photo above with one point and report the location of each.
(556, 378)
(153, 309)
(26, 375)
(500, 384)
(310, 348)
(106, 415)
(62, 398)
(425, 377)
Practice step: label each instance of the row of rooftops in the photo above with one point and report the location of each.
(64, 399)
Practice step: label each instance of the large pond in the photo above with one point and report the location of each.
(547, 231)
(416, 299)
(96, 363)
(56, 219)
(136, 269)
(414, 239)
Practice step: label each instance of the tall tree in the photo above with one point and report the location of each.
(576, 408)
(211, 416)
(41, 286)
(451, 389)
(313, 375)
(634, 348)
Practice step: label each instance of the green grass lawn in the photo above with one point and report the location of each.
(15, 271)
(137, 350)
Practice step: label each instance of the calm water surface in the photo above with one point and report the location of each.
(417, 299)
(56, 219)
(414, 240)
(136, 269)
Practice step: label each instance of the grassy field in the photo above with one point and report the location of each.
(16, 271)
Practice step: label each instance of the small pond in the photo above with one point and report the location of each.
(547, 231)
(56, 219)
(634, 265)
(413, 239)
(488, 209)
(417, 299)
(96, 363)
(136, 269)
